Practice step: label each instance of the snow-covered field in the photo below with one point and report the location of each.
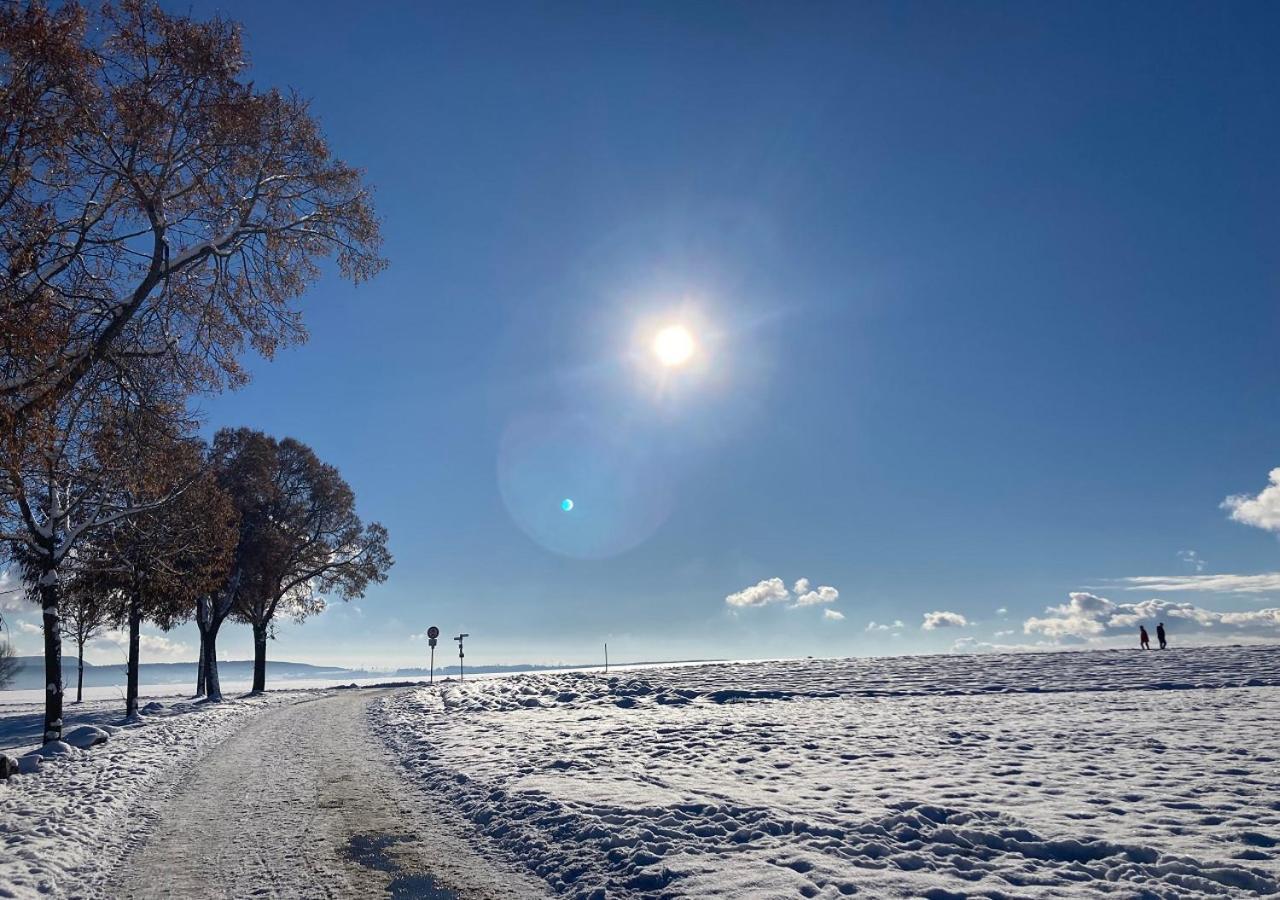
(63, 828)
(1116, 773)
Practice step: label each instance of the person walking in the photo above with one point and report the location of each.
(1144, 638)
(1164, 644)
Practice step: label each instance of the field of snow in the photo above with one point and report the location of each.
(63, 828)
(1109, 773)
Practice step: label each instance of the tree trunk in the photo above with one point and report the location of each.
(200, 662)
(259, 658)
(49, 597)
(212, 687)
(135, 639)
(80, 672)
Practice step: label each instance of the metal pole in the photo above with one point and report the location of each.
(606, 658)
(431, 679)
(461, 674)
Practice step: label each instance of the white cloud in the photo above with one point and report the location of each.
(29, 628)
(149, 645)
(973, 645)
(771, 590)
(1262, 511)
(1081, 616)
(879, 626)
(970, 644)
(1192, 559)
(1005, 633)
(12, 595)
(943, 619)
(1002, 611)
(833, 615)
(1088, 617)
(1262, 583)
(824, 594)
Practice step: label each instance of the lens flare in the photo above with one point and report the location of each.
(546, 460)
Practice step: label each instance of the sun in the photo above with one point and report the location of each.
(673, 345)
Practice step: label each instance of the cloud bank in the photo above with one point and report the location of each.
(1087, 616)
(1222, 584)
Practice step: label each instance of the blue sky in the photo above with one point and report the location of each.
(985, 295)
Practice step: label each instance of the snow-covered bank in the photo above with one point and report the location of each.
(63, 828)
(1111, 773)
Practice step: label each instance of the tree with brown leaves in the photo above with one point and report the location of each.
(153, 566)
(158, 214)
(78, 475)
(154, 203)
(300, 537)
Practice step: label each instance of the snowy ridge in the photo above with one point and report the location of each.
(63, 828)
(927, 776)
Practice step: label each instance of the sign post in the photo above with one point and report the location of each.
(432, 633)
(461, 675)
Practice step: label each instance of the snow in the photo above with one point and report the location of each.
(86, 736)
(65, 824)
(1108, 773)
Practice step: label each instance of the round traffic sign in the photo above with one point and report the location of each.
(433, 632)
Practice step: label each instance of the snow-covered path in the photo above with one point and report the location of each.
(304, 802)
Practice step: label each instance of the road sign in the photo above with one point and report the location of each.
(433, 632)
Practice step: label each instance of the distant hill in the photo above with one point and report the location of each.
(39, 661)
(31, 674)
(488, 670)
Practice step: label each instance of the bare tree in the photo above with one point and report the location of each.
(153, 202)
(300, 537)
(9, 664)
(85, 612)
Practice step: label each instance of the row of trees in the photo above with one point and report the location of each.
(261, 529)
(159, 214)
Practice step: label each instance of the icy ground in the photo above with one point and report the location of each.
(1119, 773)
(62, 828)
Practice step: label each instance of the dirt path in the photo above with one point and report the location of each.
(305, 803)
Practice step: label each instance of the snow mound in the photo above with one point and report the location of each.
(1081, 774)
(53, 749)
(86, 736)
